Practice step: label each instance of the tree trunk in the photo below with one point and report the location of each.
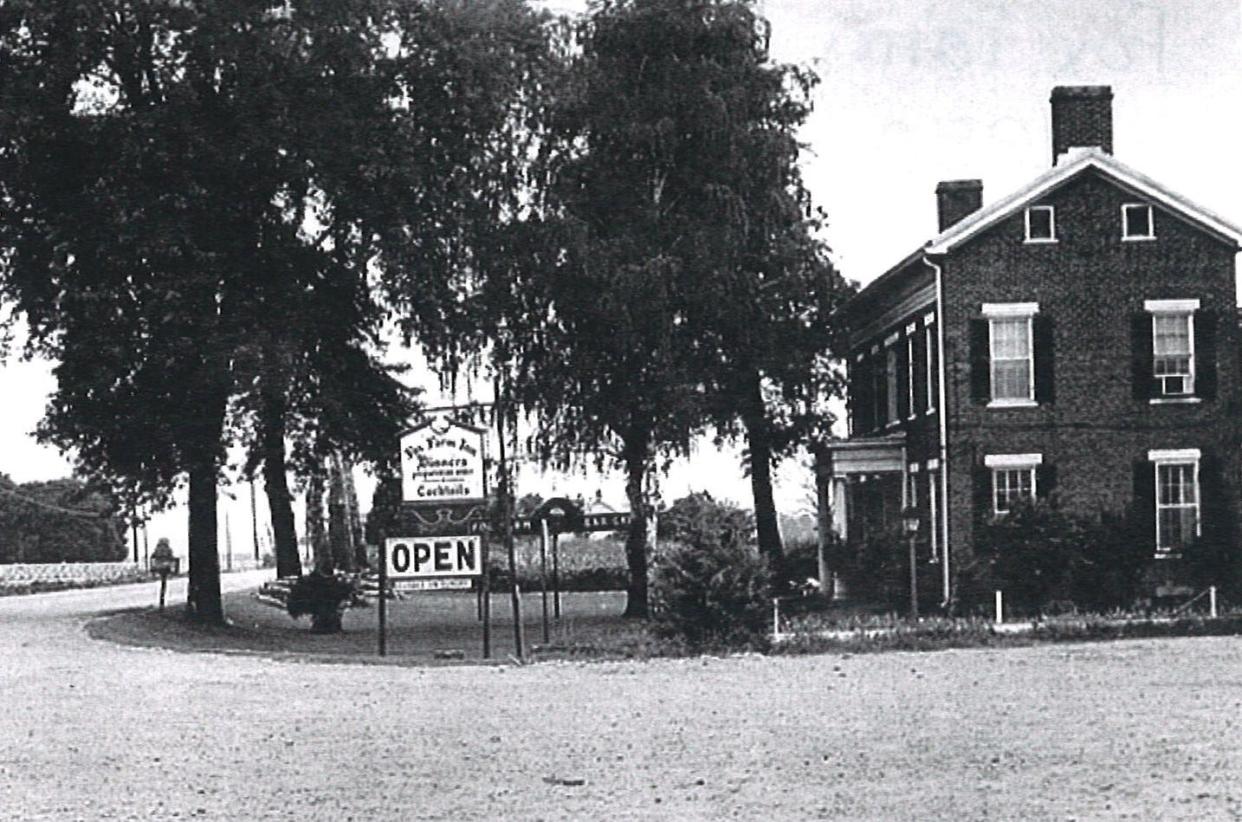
(759, 443)
(354, 515)
(203, 589)
(315, 533)
(636, 539)
(276, 486)
(338, 518)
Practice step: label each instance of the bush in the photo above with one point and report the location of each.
(1046, 560)
(713, 589)
(699, 517)
(799, 563)
(878, 572)
(1107, 573)
(323, 597)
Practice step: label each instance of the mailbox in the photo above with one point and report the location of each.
(163, 562)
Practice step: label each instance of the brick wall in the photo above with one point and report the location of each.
(1090, 284)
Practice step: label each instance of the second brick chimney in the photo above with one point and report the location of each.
(956, 199)
(1082, 116)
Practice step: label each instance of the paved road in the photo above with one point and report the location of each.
(89, 730)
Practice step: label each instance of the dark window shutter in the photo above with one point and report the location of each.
(879, 373)
(980, 361)
(920, 370)
(1216, 522)
(903, 377)
(1141, 357)
(1045, 373)
(1144, 502)
(1205, 355)
(1045, 480)
(863, 406)
(984, 504)
(853, 372)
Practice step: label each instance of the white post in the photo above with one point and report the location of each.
(776, 618)
(1000, 608)
(1212, 601)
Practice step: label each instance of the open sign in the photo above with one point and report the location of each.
(422, 557)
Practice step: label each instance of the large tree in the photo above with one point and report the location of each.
(700, 263)
(610, 363)
(764, 312)
(174, 171)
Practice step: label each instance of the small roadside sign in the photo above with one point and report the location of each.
(449, 584)
(430, 557)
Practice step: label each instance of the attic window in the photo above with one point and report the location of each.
(1137, 222)
(1041, 225)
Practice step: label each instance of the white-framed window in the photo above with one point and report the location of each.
(912, 486)
(891, 383)
(1013, 479)
(1041, 226)
(1011, 352)
(930, 341)
(1138, 222)
(1173, 346)
(933, 489)
(1177, 498)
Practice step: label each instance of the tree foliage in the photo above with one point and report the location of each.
(62, 520)
(196, 199)
(687, 285)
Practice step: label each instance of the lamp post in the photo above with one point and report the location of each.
(910, 524)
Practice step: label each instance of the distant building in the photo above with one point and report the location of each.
(1079, 336)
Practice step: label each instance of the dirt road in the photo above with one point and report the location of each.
(90, 730)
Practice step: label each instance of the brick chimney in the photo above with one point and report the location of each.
(1082, 116)
(956, 199)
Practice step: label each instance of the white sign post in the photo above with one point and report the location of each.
(442, 461)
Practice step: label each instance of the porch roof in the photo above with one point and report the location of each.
(865, 455)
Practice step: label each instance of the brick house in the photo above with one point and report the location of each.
(1077, 337)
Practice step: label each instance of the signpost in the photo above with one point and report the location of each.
(443, 495)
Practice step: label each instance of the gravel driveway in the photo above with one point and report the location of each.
(1129, 730)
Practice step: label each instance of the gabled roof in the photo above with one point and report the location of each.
(1080, 161)
(1106, 164)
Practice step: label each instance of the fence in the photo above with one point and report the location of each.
(70, 572)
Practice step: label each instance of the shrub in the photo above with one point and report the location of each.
(799, 563)
(699, 517)
(1026, 554)
(1046, 560)
(713, 589)
(323, 597)
(1107, 573)
(878, 572)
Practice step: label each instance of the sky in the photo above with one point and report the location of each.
(911, 93)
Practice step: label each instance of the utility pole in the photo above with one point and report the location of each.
(254, 522)
(506, 511)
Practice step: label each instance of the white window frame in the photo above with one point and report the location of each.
(1052, 225)
(1151, 223)
(1004, 463)
(933, 490)
(930, 340)
(1010, 311)
(1182, 308)
(1176, 457)
(911, 405)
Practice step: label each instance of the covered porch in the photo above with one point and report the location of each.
(865, 481)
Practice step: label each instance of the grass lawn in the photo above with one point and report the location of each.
(419, 626)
